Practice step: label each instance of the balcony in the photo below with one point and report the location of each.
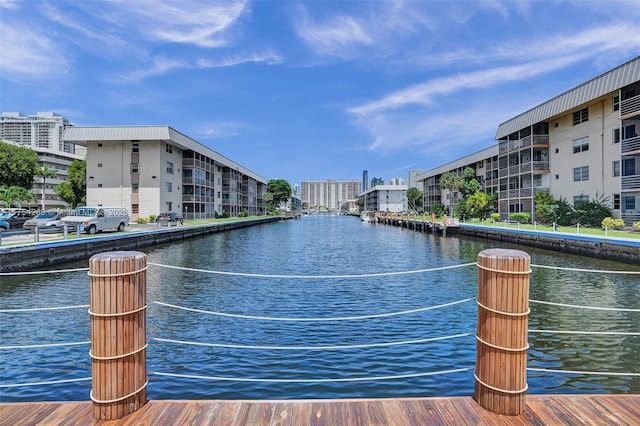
(630, 183)
(630, 107)
(630, 146)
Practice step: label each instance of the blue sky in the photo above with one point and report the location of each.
(309, 90)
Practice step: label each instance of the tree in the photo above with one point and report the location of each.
(15, 195)
(280, 191)
(74, 191)
(414, 198)
(45, 172)
(452, 182)
(477, 204)
(17, 165)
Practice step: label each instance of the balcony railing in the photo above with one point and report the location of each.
(524, 168)
(630, 146)
(630, 106)
(630, 183)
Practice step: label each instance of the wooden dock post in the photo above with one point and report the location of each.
(117, 289)
(503, 316)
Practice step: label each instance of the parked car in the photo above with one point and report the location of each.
(46, 219)
(171, 218)
(97, 219)
(14, 218)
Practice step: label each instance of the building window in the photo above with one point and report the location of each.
(580, 116)
(629, 203)
(630, 131)
(557, 177)
(99, 145)
(616, 168)
(628, 167)
(169, 186)
(168, 149)
(99, 185)
(135, 187)
(579, 199)
(616, 103)
(169, 167)
(135, 168)
(581, 173)
(135, 208)
(616, 201)
(616, 135)
(135, 147)
(581, 144)
(99, 164)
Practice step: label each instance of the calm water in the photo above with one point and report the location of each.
(323, 245)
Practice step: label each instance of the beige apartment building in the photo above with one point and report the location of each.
(153, 169)
(580, 145)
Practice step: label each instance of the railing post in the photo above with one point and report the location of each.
(503, 316)
(118, 302)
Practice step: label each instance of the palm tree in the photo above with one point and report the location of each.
(45, 172)
(15, 194)
(452, 182)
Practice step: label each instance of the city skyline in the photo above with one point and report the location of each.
(309, 90)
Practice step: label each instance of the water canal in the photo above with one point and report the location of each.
(338, 337)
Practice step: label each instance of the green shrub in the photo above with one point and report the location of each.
(152, 218)
(521, 217)
(495, 217)
(142, 220)
(636, 226)
(611, 223)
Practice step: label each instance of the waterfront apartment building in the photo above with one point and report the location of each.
(328, 194)
(43, 132)
(578, 146)
(385, 198)
(485, 165)
(153, 169)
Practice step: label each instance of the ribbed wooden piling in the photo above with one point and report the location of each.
(503, 315)
(117, 289)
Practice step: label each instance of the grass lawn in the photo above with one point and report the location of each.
(597, 232)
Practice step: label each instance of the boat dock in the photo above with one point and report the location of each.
(540, 410)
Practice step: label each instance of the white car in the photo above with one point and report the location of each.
(97, 219)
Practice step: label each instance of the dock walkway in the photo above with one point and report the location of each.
(540, 410)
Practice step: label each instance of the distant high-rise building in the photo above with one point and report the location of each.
(365, 180)
(43, 132)
(328, 194)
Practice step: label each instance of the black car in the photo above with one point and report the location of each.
(170, 218)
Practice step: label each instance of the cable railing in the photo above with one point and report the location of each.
(326, 347)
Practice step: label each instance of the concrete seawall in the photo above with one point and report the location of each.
(45, 254)
(627, 251)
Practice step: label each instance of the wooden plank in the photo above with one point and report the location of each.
(423, 412)
(540, 410)
(302, 413)
(283, 414)
(260, 413)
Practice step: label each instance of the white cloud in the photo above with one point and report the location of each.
(201, 23)
(219, 130)
(27, 54)
(411, 117)
(268, 57)
(158, 66)
(335, 37)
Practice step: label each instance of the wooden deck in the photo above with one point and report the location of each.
(540, 410)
